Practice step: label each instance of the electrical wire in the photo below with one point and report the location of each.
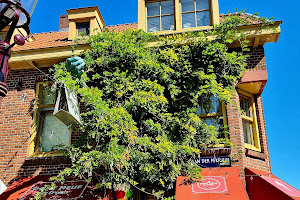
(33, 66)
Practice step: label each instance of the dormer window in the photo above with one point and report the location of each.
(195, 13)
(160, 16)
(84, 21)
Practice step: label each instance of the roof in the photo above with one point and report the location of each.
(251, 19)
(59, 39)
(46, 40)
(122, 27)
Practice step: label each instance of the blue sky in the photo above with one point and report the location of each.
(281, 95)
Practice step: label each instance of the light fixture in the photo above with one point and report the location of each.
(12, 16)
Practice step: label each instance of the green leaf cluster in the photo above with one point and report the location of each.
(141, 97)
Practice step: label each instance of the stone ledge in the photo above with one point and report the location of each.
(255, 154)
(215, 152)
(47, 160)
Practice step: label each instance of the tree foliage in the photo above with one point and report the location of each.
(141, 97)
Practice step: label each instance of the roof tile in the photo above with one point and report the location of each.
(122, 27)
(46, 40)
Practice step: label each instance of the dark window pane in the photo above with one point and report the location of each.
(247, 129)
(83, 29)
(167, 23)
(167, 7)
(153, 24)
(187, 5)
(245, 106)
(217, 123)
(203, 18)
(188, 20)
(209, 105)
(48, 96)
(153, 9)
(202, 5)
(54, 134)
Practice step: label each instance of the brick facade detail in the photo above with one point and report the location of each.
(256, 60)
(246, 157)
(63, 22)
(15, 130)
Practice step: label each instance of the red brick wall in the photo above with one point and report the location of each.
(257, 59)
(63, 22)
(15, 130)
(249, 158)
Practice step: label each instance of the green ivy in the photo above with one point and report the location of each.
(141, 100)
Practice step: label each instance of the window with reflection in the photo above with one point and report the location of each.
(249, 121)
(51, 133)
(212, 112)
(195, 13)
(247, 118)
(160, 16)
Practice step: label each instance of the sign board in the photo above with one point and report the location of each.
(66, 107)
(283, 186)
(2, 187)
(210, 184)
(68, 191)
(210, 162)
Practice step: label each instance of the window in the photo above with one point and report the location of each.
(160, 16)
(177, 16)
(250, 128)
(213, 113)
(49, 134)
(83, 29)
(195, 13)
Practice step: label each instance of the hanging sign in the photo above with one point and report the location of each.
(210, 162)
(66, 107)
(210, 184)
(68, 191)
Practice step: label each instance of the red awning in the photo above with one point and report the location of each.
(218, 183)
(23, 188)
(262, 186)
(16, 190)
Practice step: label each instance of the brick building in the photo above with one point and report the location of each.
(22, 161)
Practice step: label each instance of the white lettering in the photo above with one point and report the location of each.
(62, 188)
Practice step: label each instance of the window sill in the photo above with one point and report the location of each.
(46, 154)
(183, 30)
(252, 147)
(255, 154)
(216, 152)
(51, 160)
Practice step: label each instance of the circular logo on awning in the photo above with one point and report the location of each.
(209, 184)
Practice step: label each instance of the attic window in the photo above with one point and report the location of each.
(195, 13)
(83, 29)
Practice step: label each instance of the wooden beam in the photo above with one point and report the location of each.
(256, 41)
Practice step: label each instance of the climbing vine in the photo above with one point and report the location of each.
(141, 94)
